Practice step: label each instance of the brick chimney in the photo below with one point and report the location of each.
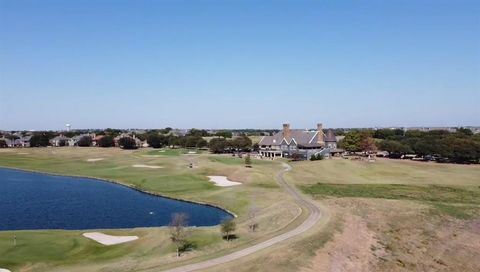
(320, 139)
(286, 131)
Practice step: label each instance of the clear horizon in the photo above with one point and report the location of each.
(241, 64)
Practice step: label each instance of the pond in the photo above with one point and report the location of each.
(30, 201)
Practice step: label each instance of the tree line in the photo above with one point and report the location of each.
(461, 146)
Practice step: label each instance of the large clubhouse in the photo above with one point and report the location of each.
(298, 142)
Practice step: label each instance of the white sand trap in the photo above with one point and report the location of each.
(152, 156)
(96, 159)
(20, 153)
(108, 240)
(147, 166)
(192, 152)
(4, 270)
(223, 181)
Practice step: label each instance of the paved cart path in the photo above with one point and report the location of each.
(312, 219)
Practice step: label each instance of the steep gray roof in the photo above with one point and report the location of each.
(299, 136)
(330, 136)
(59, 138)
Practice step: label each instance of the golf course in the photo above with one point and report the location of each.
(390, 215)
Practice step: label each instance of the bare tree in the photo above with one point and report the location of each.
(178, 233)
(252, 214)
(228, 226)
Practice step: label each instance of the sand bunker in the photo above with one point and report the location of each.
(20, 153)
(192, 152)
(94, 160)
(223, 181)
(147, 166)
(108, 240)
(4, 270)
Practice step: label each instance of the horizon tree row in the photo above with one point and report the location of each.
(461, 146)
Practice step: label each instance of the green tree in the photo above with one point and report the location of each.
(357, 140)
(192, 141)
(351, 142)
(85, 141)
(106, 141)
(224, 134)
(201, 143)
(217, 145)
(383, 133)
(465, 131)
(3, 144)
(39, 140)
(394, 147)
(242, 143)
(197, 132)
(127, 143)
(316, 157)
(166, 130)
(156, 140)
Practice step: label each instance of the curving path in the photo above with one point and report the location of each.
(306, 225)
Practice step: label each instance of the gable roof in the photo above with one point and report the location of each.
(330, 136)
(299, 137)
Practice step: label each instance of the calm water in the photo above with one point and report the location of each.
(38, 201)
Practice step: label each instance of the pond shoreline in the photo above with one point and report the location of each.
(130, 186)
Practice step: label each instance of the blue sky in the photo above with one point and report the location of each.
(239, 63)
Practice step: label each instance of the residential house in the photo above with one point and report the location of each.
(74, 140)
(96, 139)
(138, 142)
(25, 141)
(60, 140)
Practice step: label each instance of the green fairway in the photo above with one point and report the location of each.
(448, 194)
(45, 250)
(384, 171)
(451, 190)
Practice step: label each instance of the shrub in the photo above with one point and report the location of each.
(127, 143)
(316, 157)
(106, 141)
(156, 140)
(85, 141)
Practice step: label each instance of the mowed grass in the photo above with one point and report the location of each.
(384, 171)
(35, 247)
(57, 250)
(449, 189)
(435, 193)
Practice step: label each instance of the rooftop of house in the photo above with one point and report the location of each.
(306, 138)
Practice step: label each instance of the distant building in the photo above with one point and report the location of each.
(138, 142)
(19, 142)
(60, 140)
(298, 142)
(96, 139)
